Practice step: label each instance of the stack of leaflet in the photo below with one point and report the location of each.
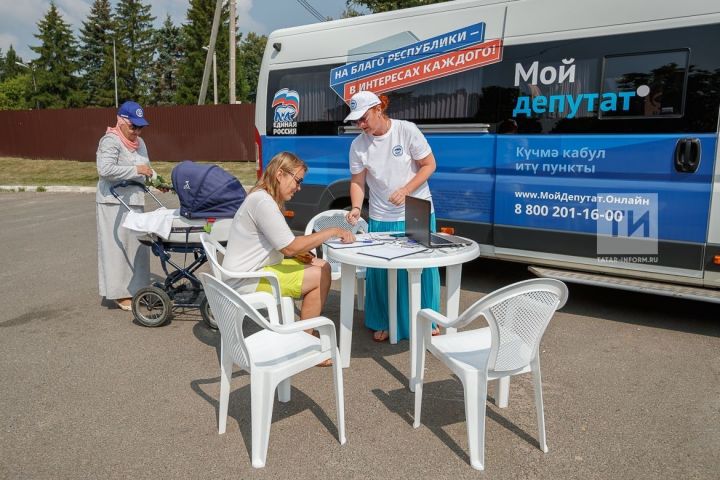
(379, 245)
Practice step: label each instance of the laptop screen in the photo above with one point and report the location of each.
(417, 220)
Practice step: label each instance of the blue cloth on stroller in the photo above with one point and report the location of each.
(206, 191)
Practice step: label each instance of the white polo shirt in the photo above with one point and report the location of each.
(391, 162)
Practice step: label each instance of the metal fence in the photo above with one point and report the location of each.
(216, 133)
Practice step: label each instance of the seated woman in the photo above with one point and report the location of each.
(260, 239)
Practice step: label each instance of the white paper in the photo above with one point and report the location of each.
(337, 243)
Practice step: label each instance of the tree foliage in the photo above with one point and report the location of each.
(15, 92)
(11, 68)
(134, 49)
(165, 65)
(55, 67)
(161, 67)
(96, 56)
(377, 6)
(249, 60)
(196, 35)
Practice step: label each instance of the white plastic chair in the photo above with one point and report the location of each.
(517, 316)
(336, 218)
(212, 248)
(271, 356)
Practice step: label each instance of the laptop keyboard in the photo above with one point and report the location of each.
(438, 240)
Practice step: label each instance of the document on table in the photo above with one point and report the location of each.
(359, 242)
(389, 251)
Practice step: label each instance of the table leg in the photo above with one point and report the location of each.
(453, 274)
(414, 296)
(392, 303)
(347, 301)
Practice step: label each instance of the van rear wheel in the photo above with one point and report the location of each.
(151, 306)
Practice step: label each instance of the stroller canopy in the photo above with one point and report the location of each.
(206, 191)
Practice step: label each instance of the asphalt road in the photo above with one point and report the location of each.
(631, 384)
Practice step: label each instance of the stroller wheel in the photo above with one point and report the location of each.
(207, 315)
(151, 306)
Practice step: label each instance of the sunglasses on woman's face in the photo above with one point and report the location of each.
(298, 181)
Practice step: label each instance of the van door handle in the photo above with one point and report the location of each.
(687, 155)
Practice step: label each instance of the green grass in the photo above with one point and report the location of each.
(22, 171)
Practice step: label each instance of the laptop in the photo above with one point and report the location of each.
(417, 226)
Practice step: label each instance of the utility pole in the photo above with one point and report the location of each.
(214, 71)
(233, 43)
(211, 50)
(115, 73)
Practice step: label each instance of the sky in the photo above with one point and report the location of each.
(19, 18)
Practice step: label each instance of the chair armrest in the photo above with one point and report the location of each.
(266, 301)
(323, 325)
(269, 276)
(431, 316)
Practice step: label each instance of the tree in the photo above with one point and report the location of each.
(56, 64)
(15, 92)
(377, 6)
(134, 49)
(196, 35)
(165, 67)
(249, 60)
(96, 56)
(10, 68)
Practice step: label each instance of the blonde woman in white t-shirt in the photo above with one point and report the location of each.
(393, 158)
(260, 239)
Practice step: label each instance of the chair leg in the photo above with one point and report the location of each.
(225, 375)
(502, 392)
(283, 390)
(475, 392)
(540, 409)
(339, 395)
(420, 375)
(261, 407)
(360, 294)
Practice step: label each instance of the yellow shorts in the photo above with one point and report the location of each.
(290, 273)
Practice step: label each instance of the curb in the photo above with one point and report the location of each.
(48, 188)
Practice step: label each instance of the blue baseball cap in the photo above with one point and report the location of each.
(133, 112)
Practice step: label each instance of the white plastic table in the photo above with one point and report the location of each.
(452, 258)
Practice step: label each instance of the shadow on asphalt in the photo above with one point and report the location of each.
(238, 406)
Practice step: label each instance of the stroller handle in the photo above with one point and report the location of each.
(132, 183)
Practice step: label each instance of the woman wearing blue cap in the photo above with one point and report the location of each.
(123, 263)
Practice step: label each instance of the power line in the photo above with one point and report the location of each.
(312, 10)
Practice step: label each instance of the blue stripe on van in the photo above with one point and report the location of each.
(462, 185)
(478, 178)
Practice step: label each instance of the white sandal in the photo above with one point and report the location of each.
(121, 306)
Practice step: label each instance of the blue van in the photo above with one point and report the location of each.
(580, 138)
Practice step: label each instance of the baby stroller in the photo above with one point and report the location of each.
(209, 198)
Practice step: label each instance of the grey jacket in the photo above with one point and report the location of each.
(116, 163)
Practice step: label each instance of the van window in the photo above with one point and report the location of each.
(457, 98)
(658, 78)
(321, 111)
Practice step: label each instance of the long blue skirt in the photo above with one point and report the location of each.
(376, 298)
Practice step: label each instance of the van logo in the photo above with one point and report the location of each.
(286, 108)
(397, 150)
